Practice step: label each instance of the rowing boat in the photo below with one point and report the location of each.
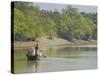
(32, 57)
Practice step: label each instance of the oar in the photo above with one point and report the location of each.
(44, 56)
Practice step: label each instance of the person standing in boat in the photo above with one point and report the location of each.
(37, 50)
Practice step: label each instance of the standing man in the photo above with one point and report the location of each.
(37, 49)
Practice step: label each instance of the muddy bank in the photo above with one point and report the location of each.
(54, 42)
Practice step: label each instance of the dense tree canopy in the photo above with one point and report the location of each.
(30, 22)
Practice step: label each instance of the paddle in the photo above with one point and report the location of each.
(41, 54)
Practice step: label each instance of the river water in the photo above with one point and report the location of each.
(59, 58)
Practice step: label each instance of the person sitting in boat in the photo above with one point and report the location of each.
(29, 52)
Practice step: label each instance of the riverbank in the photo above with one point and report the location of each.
(54, 42)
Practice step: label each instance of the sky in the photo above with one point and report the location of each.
(59, 7)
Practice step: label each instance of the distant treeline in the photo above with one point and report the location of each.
(30, 22)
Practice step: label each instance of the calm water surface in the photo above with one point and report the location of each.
(59, 58)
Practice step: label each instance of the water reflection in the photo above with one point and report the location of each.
(69, 52)
(58, 59)
(33, 64)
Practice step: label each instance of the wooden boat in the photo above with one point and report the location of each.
(32, 57)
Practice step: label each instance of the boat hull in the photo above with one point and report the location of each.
(32, 57)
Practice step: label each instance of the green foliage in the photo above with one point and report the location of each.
(30, 22)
